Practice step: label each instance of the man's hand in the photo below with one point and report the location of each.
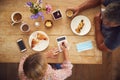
(97, 21)
(87, 4)
(75, 11)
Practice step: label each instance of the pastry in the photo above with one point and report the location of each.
(34, 42)
(37, 39)
(80, 26)
(41, 36)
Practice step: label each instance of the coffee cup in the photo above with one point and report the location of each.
(16, 17)
(69, 13)
(24, 27)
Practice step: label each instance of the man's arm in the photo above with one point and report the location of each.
(89, 4)
(85, 5)
(98, 35)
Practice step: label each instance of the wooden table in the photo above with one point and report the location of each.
(9, 51)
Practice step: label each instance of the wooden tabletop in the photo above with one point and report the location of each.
(9, 51)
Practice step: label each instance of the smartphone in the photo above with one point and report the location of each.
(57, 14)
(21, 45)
(60, 40)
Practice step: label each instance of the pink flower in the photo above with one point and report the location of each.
(48, 8)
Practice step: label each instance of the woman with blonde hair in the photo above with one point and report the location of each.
(35, 66)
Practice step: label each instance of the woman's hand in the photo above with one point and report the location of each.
(65, 50)
(64, 46)
(53, 53)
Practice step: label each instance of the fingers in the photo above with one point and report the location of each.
(99, 14)
(54, 56)
(61, 46)
(75, 13)
(54, 50)
(64, 45)
(97, 18)
(24, 57)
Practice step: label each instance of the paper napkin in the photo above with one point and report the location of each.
(84, 46)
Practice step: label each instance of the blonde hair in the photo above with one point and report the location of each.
(35, 66)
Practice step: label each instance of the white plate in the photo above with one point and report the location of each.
(75, 22)
(42, 45)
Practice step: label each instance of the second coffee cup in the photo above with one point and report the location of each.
(69, 13)
(24, 27)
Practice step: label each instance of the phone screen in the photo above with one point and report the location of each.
(60, 39)
(21, 45)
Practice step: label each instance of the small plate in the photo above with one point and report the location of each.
(42, 45)
(75, 22)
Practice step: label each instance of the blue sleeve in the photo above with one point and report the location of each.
(106, 2)
(112, 41)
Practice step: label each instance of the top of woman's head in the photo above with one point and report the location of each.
(35, 66)
(112, 12)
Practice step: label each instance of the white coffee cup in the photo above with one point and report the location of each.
(16, 17)
(69, 13)
(24, 27)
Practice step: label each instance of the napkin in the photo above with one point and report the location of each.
(84, 46)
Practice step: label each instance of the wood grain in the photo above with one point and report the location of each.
(9, 51)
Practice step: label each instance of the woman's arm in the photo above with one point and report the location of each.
(66, 70)
(65, 51)
(63, 73)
